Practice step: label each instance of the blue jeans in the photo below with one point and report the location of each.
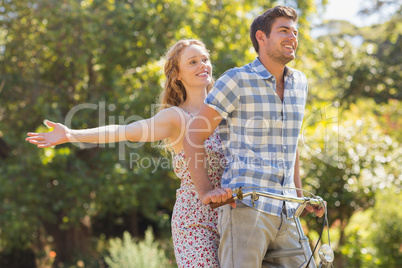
(247, 234)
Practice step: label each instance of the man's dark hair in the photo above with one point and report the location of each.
(264, 21)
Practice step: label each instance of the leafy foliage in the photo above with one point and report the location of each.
(350, 144)
(374, 236)
(94, 62)
(127, 253)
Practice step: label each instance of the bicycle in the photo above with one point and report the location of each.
(325, 253)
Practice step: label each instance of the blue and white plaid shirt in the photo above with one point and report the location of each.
(259, 132)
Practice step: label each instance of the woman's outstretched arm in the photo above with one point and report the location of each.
(167, 124)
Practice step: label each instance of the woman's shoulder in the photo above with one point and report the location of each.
(175, 111)
(174, 115)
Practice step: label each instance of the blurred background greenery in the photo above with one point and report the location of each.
(69, 206)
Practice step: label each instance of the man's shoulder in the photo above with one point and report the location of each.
(236, 72)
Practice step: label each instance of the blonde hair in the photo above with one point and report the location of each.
(174, 92)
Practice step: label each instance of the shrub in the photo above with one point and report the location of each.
(129, 252)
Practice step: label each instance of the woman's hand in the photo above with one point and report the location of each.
(217, 195)
(59, 135)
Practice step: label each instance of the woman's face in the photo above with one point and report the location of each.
(195, 69)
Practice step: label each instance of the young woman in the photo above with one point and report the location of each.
(188, 74)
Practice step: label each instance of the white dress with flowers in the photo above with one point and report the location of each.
(194, 224)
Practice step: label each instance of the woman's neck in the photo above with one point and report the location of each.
(194, 101)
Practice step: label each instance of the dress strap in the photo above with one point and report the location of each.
(187, 112)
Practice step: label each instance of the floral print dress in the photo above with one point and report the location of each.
(194, 224)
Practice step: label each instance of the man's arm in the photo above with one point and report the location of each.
(202, 126)
(297, 180)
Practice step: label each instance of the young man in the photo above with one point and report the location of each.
(259, 109)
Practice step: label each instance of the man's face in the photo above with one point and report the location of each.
(281, 44)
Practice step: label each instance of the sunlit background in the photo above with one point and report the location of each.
(72, 206)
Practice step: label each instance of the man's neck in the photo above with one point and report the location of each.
(274, 68)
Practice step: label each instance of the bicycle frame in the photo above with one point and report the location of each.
(304, 250)
(326, 255)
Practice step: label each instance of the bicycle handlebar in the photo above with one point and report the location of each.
(228, 201)
(326, 254)
(239, 195)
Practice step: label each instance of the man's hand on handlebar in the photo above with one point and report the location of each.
(218, 195)
(318, 210)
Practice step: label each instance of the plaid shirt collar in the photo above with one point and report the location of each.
(260, 69)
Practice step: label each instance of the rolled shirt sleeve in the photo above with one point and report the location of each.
(224, 96)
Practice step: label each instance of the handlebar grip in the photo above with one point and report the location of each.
(216, 205)
(304, 213)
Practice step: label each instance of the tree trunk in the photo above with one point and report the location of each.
(340, 260)
(4, 149)
(69, 242)
(134, 224)
(18, 258)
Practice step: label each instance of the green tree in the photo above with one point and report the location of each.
(352, 124)
(347, 162)
(374, 235)
(94, 62)
(387, 232)
(57, 55)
